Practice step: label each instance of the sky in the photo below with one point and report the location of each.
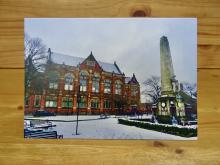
(134, 43)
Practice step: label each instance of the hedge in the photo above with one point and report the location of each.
(164, 119)
(168, 119)
(184, 132)
(148, 120)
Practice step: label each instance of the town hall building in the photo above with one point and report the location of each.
(92, 86)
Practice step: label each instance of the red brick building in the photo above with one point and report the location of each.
(101, 87)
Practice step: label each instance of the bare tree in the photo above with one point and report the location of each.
(191, 88)
(152, 88)
(35, 55)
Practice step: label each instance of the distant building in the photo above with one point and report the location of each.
(146, 108)
(102, 87)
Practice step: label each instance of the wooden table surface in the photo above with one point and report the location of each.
(14, 149)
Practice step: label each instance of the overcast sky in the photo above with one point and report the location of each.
(134, 43)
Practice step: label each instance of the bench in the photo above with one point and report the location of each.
(42, 134)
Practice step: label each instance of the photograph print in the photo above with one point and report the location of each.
(110, 78)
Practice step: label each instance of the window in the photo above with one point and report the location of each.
(53, 85)
(82, 103)
(83, 81)
(117, 104)
(95, 86)
(118, 87)
(95, 103)
(68, 82)
(26, 101)
(107, 86)
(37, 101)
(53, 78)
(51, 101)
(95, 83)
(107, 104)
(83, 85)
(90, 63)
(134, 91)
(67, 102)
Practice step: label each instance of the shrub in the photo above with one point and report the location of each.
(184, 132)
(148, 120)
(164, 119)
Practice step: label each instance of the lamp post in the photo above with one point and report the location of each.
(77, 112)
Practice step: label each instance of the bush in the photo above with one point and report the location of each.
(184, 132)
(148, 120)
(164, 119)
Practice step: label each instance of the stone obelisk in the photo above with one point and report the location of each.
(166, 66)
(169, 102)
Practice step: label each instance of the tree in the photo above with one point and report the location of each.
(190, 88)
(152, 88)
(35, 56)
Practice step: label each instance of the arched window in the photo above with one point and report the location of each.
(107, 86)
(134, 90)
(118, 87)
(68, 82)
(83, 81)
(95, 83)
(95, 103)
(53, 78)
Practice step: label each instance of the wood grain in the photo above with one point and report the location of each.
(14, 149)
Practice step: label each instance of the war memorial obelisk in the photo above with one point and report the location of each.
(170, 103)
(166, 66)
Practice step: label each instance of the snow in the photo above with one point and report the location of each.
(66, 59)
(93, 127)
(109, 67)
(59, 58)
(166, 125)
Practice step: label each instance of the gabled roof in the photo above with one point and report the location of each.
(91, 57)
(131, 80)
(59, 58)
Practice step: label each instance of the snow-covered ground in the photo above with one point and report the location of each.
(93, 127)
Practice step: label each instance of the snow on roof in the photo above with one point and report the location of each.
(59, 58)
(109, 67)
(127, 79)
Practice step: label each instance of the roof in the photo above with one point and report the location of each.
(127, 79)
(108, 67)
(131, 80)
(59, 58)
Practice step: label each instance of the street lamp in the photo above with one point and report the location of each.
(77, 112)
